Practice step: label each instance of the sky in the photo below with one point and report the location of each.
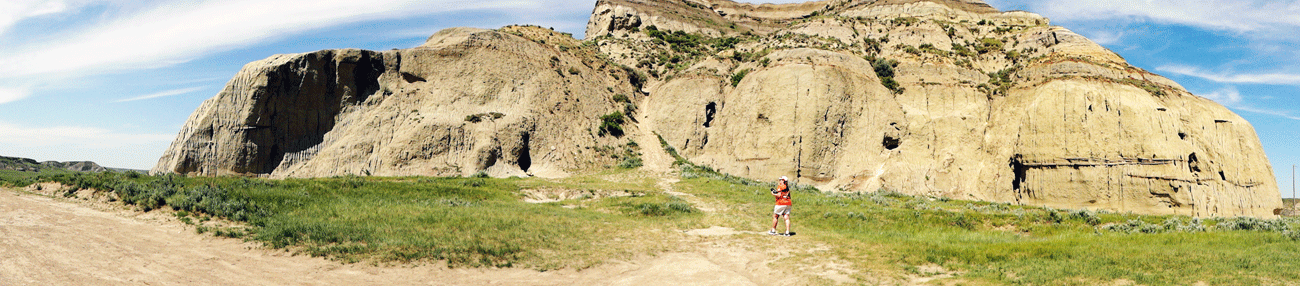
(112, 81)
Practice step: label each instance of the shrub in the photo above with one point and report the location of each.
(725, 43)
(1250, 223)
(962, 50)
(629, 109)
(911, 50)
(612, 124)
(735, 78)
(1013, 55)
(885, 71)
(1086, 216)
(622, 98)
(630, 162)
(659, 209)
(987, 45)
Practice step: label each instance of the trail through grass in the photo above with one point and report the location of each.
(476, 222)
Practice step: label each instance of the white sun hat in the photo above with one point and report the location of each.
(783, 178)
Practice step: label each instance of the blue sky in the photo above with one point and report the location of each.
(112, 81)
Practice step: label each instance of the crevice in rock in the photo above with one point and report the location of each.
(488, 158)
(1182, 135)
(366, 75)
(709, 110)
(1019, 170)
(274, 157)
(524, 153)
(1191, 163)
(890, 142)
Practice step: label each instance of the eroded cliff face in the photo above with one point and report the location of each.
(989, 105)
(941, 97)
(509, 102)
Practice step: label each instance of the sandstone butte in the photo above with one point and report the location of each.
(949, 98)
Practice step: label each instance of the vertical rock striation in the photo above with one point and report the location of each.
(929, 97)
(509, 102)
(988, 105)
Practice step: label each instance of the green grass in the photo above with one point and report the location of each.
(482, 222)
(465, 221)
(1003, 243)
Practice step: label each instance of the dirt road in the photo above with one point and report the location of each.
(56, 241)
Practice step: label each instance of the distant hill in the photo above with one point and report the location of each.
(29, 165)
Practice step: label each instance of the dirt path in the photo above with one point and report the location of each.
(46, 240)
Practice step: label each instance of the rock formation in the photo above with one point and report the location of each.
(29, 165)
(930, 97)
(506, 102)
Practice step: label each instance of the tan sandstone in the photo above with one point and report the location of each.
(1072, 125)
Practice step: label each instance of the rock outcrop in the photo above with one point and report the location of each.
(29, 165)
(945, 98)
(505, 102)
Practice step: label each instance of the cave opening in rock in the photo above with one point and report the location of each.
(273, 160)
(524, 154)
(1018, 169)
(709, 110)
(1182, 135)
(1191, 163)
(890, 142)
(488, 158)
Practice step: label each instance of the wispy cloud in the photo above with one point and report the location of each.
(1227, 96)
(12, 94)
(179, 32)
(1264, 78)
(1278, 113)
(12, 11)
(135, 36)
(1232, 98)
(162, 94)
(1241, 16)
(1103, 37)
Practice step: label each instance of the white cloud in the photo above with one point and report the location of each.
(12, 94)
(12, 11)
(1241, 16)
(1278, 113)
(1227, 96)
(1231, 98)
(1106, 37)
(179, 32)
(75, 143)
(162, 94)
(1266, 78)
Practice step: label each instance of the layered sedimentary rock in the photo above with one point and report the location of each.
(944, 98)
(507, 102)
(990, 105)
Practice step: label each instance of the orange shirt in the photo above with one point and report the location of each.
(783, 194)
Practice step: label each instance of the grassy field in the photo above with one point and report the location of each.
(477, 222)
